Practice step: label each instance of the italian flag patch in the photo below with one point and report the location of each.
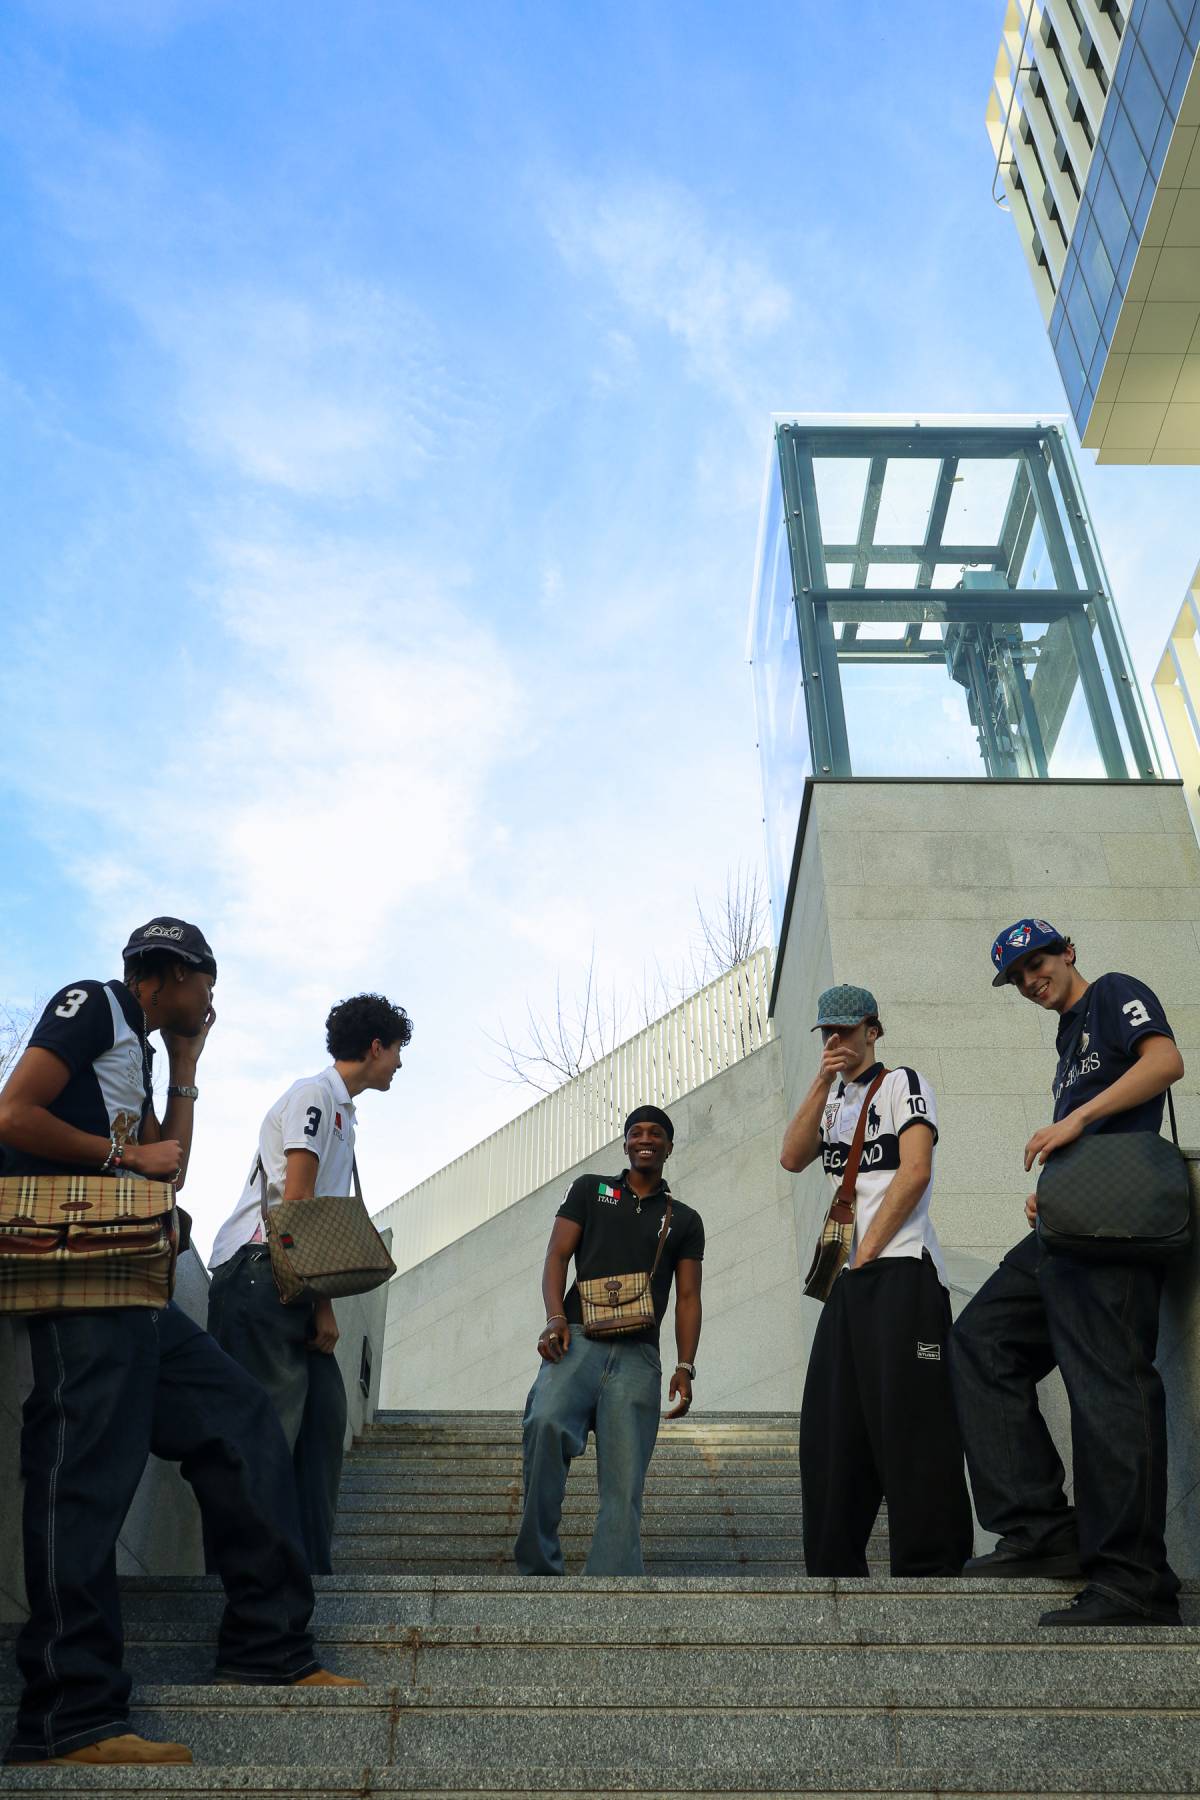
(609, 1193)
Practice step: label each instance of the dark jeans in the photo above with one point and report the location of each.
(1098, 1323)
(878, 1420)
(109, 1387)
(271, 1342)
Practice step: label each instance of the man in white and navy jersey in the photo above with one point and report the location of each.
(1096, 1321)
(111, 1384)
(877, 1420)
(305, 1148)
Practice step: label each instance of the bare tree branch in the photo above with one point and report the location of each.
(733, 929)
(552, 1050)
(555, 1050)
(16, 1022)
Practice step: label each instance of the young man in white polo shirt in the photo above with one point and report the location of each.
(877, 1420)
(305, 1148)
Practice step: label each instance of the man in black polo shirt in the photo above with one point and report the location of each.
(112, 1384)
(1098, 1322)
(611, 1225)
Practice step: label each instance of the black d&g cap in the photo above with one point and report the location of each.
(177, 938)
(650, 1115)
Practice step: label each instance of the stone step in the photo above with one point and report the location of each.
(421, 1482)
(453, 1527)
(378, 1504)
(449, 1470)
(708, 1609)
(996, 1781)
(695, 1545)
(692, 1745)
(668, 1444)
(699, 1422)
(429, 1668)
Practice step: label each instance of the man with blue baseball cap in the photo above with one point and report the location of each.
(877, 1420)
(1096, 1322)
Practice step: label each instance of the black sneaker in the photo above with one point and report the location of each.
(1093, 1606)
(1012, 1560)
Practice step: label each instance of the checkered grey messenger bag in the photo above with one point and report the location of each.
(86, 1241)
(323, 1248)
(615, 1305)
(1117, 1196)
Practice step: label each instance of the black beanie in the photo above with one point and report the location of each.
(654, 1115)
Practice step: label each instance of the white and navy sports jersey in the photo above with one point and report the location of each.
(98, 1030)
(315, 1114)
(1096, 1045)
(904, 1098)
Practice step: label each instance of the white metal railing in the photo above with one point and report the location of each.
(706, 1033)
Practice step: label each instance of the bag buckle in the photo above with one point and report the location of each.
(612, 1288)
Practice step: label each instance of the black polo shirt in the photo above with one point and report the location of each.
(98, 1030)
(620, 1237)
(1096, 1046)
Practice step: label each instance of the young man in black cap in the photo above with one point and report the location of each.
(112, 1384)
(1097, 1322)
(611, 1225)
(877, 1420)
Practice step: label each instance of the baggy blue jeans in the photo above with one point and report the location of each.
(613, 1388)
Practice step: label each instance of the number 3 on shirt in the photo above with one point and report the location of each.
(73, 999)
(1136, 1013)
(314, 1119)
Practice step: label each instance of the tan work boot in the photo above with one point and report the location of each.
(327, 1678)
(110, 1751)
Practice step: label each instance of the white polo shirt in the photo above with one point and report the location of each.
(315, 1114)
(903, 1099)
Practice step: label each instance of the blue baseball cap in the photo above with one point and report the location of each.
(1017, 941)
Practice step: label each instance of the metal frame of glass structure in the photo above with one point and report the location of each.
(956, 555)
(981, 645)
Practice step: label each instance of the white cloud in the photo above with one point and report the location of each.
(668, 265)
(291, 373)
(332, 784)
(325, 393)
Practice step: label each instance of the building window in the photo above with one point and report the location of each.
(1162, 40)
(1125, 156)
(1142, 98)
(1108, 210)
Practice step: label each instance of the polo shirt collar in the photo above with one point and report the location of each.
(867, 1076)
(662, 1187)
(340, 1091)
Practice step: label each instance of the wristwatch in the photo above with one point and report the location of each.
(183, 1093)
(688, 1369)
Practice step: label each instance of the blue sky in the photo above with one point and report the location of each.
(384, 397)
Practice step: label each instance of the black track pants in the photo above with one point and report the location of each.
(878, 1422)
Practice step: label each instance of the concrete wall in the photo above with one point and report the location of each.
(462, 1327)
(161, 1534)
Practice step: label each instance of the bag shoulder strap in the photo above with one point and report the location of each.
(844, 1200)
(662, 1240)
(357, 1183)
(1171, 1110)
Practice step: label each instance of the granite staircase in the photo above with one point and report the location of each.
(723, 1671)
